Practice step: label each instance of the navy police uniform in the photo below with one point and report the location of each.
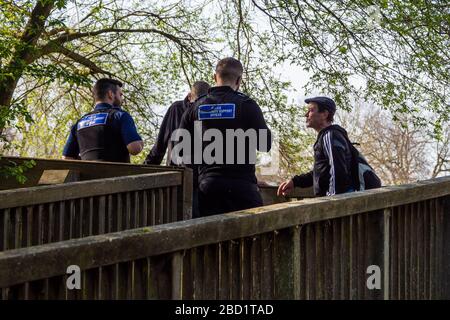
(226, 187)
(102, 135)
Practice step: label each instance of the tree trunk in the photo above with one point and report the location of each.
(24, 53)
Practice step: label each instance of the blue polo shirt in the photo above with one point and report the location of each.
(121, 120)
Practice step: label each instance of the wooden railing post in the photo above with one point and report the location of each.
(377, 253)
(185, 201)
(287, 263)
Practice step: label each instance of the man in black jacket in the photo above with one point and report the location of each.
(227, 180)
(171, 122)
(332, 172)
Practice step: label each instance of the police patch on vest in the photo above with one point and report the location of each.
(92, 120)
(217, 111)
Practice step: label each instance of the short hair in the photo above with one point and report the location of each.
(200, 88)
(229, 69)
(102, 86)
(322, 108)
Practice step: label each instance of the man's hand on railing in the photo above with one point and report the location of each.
(285, 188)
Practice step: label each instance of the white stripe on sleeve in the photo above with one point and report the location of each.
(329, 150)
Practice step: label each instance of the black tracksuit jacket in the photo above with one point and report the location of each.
(169, 124)
(331, 173)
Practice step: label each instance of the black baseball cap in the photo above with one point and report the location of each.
(325, 102)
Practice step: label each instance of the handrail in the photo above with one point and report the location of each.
(92, 252)
(45, 194)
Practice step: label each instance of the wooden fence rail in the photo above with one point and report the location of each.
(75, 170)
(311, 249)
(46, 214)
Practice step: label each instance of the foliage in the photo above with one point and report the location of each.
(390, 53)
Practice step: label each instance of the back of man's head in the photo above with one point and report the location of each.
(102, 86)
(199, 88)
(229, 70)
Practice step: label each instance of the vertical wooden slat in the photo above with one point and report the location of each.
(426, 251)
(162, 205)
(168, 201)
(101, 215)
(145, 208)
(310, 246)
(177, 276)
(127, 211)
(353, 248)
(90, 228)
(224, 274)
(111, 212)
(211, 272)
(337, 259)
(387, 213)
(439, 248)
(413, 255)
(256, 268)
(198, 263)
(51, 223)
(345, 260)
(18, 228)
(7, 229)
(401, 252)
(153, 208)
(446, 248)
(393, 253)
(245, 267)
(120, 214)
(419, 252)
(173, 197)
(319, 261)
(287, 263)
(72, 220)
(2, 229)
(432, 248)
(360, 277)
(234, 270)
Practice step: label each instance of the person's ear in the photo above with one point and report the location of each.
(238, 82)
(111, 95)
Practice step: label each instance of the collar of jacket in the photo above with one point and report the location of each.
(186, 103)
(104, 105)
(331, 127)
(219, 89)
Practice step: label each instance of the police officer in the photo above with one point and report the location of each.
(171, 122)
(106, 134)
(228, 183)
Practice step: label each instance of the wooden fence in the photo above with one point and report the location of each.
(311, 249)
(74, 170)
(45, 214)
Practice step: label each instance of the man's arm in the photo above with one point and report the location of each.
(303, 180)
(71, 149)
(335, 146)
(158, 151)
(135, 147)
(130, 135)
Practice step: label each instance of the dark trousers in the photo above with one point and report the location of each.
(218, 195)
